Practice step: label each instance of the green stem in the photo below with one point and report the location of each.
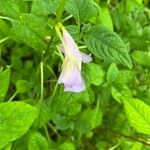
(6, 18)
(12, 97)
(129, 137)
(68, 17)
(81, 47)
(60, 11)
(60, 53)
(47, 133)
(55, 89)
(51, 71)
(4, 39)
(0, 54)
(49, 124)
(42, 81)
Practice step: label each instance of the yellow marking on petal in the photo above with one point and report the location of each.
(69, 63)
(58, 29)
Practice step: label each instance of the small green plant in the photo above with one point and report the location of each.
(99, 50)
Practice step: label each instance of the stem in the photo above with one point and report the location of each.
(49, 124)
(47, 133)
(41, 94)
(130, 137)
(55, 89)
(60, 11)
(6, 18)
(0, 54)
(42, 81)
(114, 147)
(68, 17)
(12, 97)
(4, 39)
(60, 53)
(81, 47)
(51, 71)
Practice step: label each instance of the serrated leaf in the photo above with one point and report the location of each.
(37, 142)
(80, 9)
(28, 29)
(74, 31)
(107, 45)
(138, 114)
(4, 83)
(15, 119)
(45, 8)
(112, 73)
(93, 74)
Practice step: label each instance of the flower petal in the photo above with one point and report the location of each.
(75, 87)
(70, 47)
(86, 58)
(71, 77)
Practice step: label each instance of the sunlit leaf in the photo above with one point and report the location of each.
(38, 142)
(107, 45)
(138, 114)
(15, 120)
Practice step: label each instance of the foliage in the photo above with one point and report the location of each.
(114, 110)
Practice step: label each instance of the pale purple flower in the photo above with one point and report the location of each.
(71, 72)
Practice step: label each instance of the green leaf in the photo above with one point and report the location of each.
(22, 86)
(67, 146)
(125, 76)
(4, 29)
(44, 8)
(80, 9)
(37, 142)
(15, 119)
(62, 122)
(105, 18)
(137, 146)
(142, 58)
(119, 93)
(138, 114)
(4, 83)
(44, 115)
(72, 108)
(107, 45)
(67, 102)
(93, 74)
(112, 73)
(132, 5)
(29, 30)
(10, 8)
(8, 147)
(74, 31)
(84, 124)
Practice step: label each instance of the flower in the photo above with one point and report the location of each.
(71, 73)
